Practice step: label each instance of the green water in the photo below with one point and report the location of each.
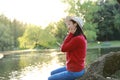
(36, 66)
(30, 66)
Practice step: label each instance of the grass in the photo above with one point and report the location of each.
(115, 43)
(101, 44)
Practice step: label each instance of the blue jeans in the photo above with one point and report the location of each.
(63, 74)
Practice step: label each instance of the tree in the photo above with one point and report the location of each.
(85, 10)
(108, 20)
(9, 33)
(47, 39)
(5, 37)
(17, 30)
(35, 37)
(60, 31)
(30, 37)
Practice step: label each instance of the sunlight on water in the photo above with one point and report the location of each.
(36, 72)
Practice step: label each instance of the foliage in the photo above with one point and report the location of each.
(35, 37)
(5, 39)
(85, 11)
(101, 22)
(60, 31)
(17, 30)
(102, 18)
(108, 20)
(9, 32)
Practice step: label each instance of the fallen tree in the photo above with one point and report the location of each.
(104, 68)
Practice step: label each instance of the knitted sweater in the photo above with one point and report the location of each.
(75, 48)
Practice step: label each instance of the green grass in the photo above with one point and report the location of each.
(115, 43)
(102, 44)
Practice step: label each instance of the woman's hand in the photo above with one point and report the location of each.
(72, 30)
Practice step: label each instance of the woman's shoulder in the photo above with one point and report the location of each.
(79, 37)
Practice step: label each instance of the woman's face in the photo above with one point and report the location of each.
(71, 26)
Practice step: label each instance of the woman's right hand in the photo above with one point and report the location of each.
(72, 30)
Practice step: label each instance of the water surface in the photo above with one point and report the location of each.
(30, 66)
(38, 65)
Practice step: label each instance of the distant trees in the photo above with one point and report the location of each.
(102, 18)
(35, 37)
(86, 11)
(118, 1)
(9, 32)
(108, 20)
(59, 31)
(102, 22)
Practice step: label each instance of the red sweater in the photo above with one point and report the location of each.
(75, 48)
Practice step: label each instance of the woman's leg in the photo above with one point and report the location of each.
(78, 74)
(61, 69)
(66, 75)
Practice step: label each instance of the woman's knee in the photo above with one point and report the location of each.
(53, 72)
(49, 78)
(61, 69)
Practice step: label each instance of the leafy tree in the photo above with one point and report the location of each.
(34, 37)
(85, 11)
(9, 32)
(30, 37)
(5, 37)
(47, 39)
(60, 31)
(17, 30)
(108, 20)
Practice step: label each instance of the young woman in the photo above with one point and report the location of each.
(74, 47)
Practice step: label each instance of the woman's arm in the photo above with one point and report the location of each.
(71, 45)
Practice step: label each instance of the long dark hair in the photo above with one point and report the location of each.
(79, 31)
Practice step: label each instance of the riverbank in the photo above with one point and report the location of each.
(105, 44)
(4, 53)
(27, 51)
(102, 46)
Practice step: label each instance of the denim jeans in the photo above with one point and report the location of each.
(63, 74)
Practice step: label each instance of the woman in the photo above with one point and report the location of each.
(75, 47)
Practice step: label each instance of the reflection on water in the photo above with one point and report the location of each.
(30, 66)
(37, 66)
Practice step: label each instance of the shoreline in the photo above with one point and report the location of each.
(5, 53)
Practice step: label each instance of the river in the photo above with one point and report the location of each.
(38, 65)
(30, 66)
